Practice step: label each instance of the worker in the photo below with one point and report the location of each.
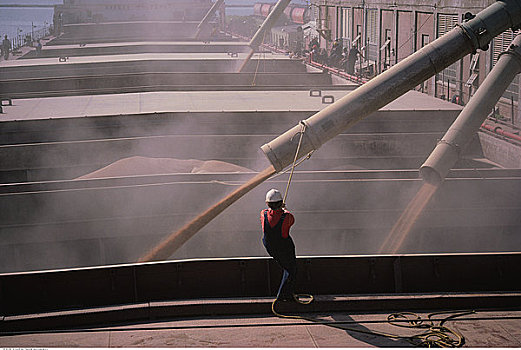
(335, 55)
(6, 47)
(313, 44)
(38, 47)
(351, 59)
(276, 222)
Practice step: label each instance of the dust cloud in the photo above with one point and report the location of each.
(178, 238)
(408, 219)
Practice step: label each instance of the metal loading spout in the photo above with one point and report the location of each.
(258, 38)
(396, 81)
(460, 133)
(208, 17)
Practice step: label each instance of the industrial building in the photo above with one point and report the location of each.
(389, 31)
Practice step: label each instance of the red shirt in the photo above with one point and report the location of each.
(274, 217)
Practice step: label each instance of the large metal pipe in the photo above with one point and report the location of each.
(258, 38)
(208, 17)
(386, 87)
(460, 133)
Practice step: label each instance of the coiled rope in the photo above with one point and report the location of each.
(436, 335)
(303, 299)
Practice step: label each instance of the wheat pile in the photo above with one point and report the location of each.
(154, 166)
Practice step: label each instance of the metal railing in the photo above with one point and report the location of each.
(29, 38)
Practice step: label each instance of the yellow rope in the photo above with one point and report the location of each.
(302, 130)
(433, 336)
(297, 298)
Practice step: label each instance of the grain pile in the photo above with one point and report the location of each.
(154, 166)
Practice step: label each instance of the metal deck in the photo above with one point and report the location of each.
(348, 329)
(209, 101)
(193, 56)
(137, 48)
(144, 63)
(159, 81)
(164, 304)
(125, 31)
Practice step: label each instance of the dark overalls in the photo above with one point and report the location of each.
(283, 251)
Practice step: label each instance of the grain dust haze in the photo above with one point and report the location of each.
(178, 238)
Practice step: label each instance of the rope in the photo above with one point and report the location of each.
(313, 322)
(296, 298)
(302, 130)
(436, 335)
(296, 165)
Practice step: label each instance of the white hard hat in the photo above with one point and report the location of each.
(273, 195)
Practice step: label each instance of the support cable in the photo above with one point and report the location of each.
(302, 130)
(258, 60)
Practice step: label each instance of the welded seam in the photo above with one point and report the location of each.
(312, 338)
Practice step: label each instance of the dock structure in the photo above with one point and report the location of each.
(111, 141)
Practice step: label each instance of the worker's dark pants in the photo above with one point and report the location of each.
(284, 254)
